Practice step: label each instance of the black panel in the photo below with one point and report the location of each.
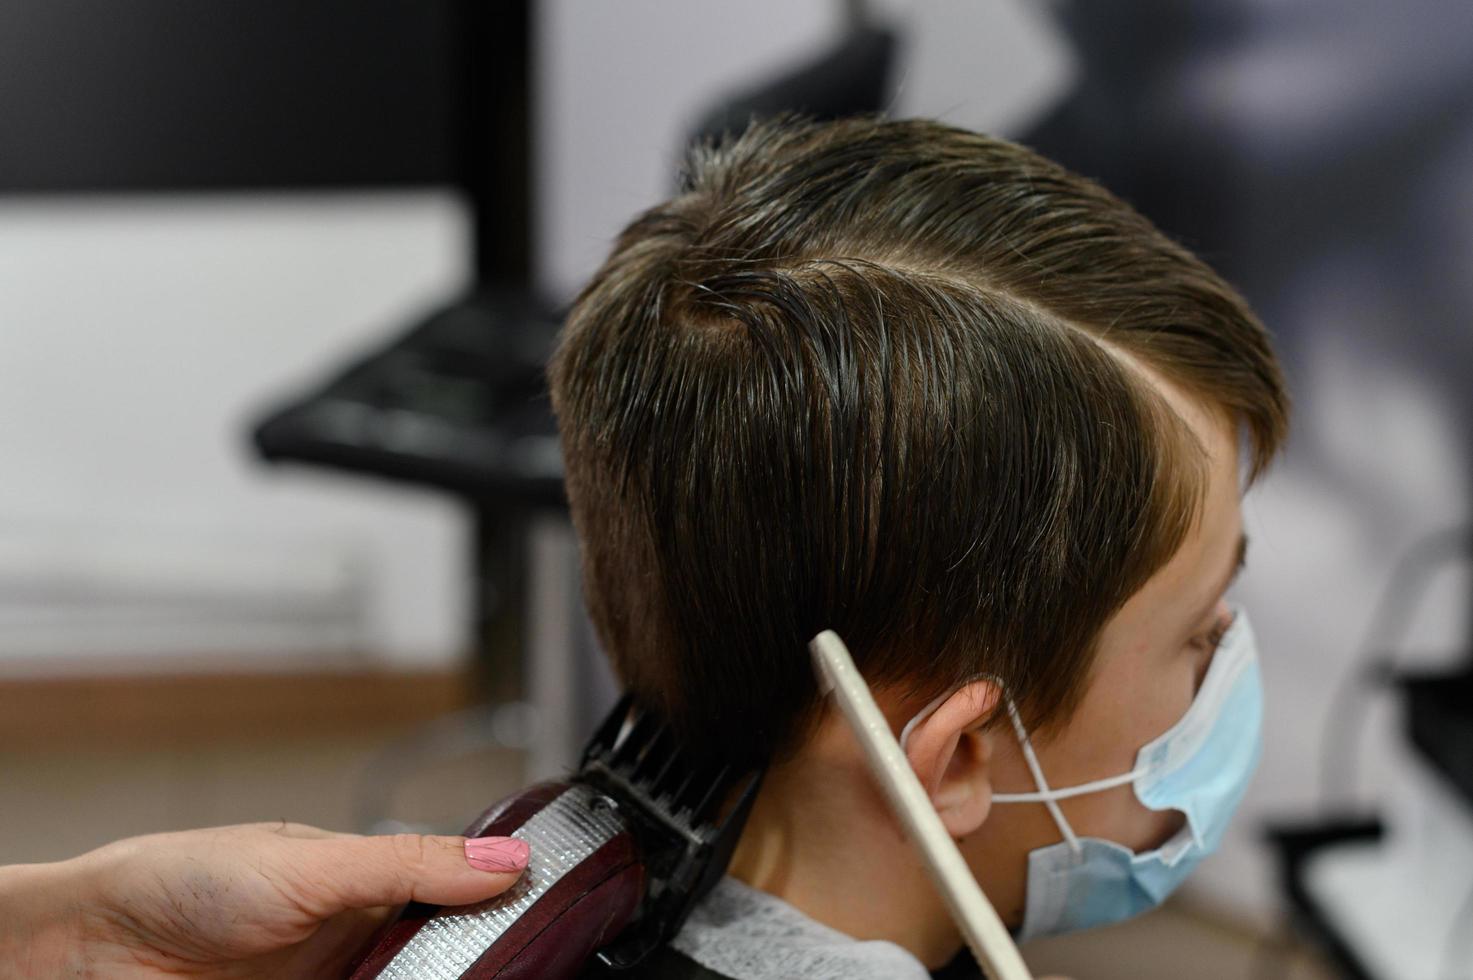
(221, 94)
(1439, 717)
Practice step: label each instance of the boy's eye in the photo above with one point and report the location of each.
(1210, 639)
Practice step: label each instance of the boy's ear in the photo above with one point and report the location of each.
(953, 759)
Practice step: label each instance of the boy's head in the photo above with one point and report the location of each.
(902, 381)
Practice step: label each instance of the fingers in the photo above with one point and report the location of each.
(349, 872)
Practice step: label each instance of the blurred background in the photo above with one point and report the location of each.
(281, 525)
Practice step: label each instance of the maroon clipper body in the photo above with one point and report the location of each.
(620, 852)
(583, 883)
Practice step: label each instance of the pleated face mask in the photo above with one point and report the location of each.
(1200, 766)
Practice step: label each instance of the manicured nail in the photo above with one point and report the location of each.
(496, 853)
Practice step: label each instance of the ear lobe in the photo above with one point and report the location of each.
(952, 759)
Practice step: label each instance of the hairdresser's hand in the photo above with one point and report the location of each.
(259, 900)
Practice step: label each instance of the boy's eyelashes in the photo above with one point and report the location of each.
(1212, 636)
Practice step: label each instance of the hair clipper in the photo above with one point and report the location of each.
(620, 853)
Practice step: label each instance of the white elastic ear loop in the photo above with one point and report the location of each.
(1063, 794)
(921, 716)
(1044, 795)
(936, 702)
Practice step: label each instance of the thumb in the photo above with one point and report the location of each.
(362, 872)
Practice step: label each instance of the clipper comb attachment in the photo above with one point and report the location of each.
(671, 799)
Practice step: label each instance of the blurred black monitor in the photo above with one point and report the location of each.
(228, 95)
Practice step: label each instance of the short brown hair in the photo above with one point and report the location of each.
(877, 376)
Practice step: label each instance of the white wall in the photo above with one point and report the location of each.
(618, 87)
(139, 337)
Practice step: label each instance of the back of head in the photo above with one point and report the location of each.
(889, 378)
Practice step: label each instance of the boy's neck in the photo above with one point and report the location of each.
(817, 840)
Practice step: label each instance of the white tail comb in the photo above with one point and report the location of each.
(974, 915)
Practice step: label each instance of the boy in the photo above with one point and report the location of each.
(965, 408)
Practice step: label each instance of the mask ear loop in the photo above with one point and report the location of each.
(1069, 791)
(921, 716)
(1046, 796)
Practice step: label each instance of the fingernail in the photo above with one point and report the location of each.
(496, 853)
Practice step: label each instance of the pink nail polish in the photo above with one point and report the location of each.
(496, 853)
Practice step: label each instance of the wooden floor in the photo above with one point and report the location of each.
(87, 760)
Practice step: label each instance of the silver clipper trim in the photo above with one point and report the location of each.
(561, 836)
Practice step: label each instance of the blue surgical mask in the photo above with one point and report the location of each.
(1200, 766)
